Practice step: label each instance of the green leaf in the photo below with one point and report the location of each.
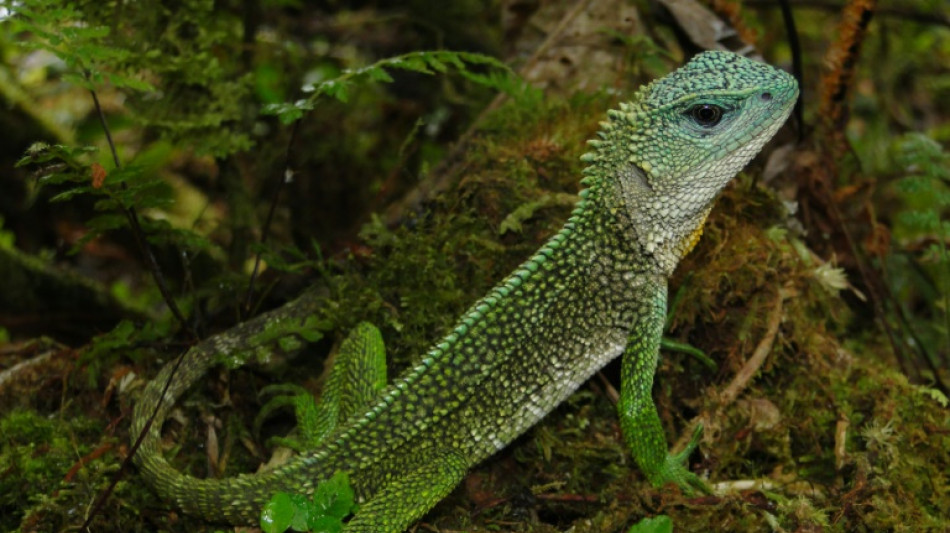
(513, 222)
(120, 81)
(436, 65)
(85, 32)
(123, 335)
(334, 497)
(312, 329)
(287, 335)
(699, 355)
(78, 80)
(379, 74)
(335, 88)
(278, 513)
(656, 524)
(44, 153)
(325, 524)
(289, 344)
(68, 195)
(934, 395)
(411, 62)
(287, 112)
(498, 77)
(301, 512)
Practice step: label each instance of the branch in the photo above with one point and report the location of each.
(745, 374)
(893, 12)
(137, 231)
(283, 179)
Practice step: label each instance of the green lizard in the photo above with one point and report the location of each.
(595, 290)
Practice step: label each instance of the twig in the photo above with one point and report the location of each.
(748, 370)
(7, 376)
(792, 33)
(265, 230)
(893, 12)
(166, 294)
(138, 233)
(124, 466)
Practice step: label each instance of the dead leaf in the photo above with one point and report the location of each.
(98, 176)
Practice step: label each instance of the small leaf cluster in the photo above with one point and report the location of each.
(922, 227)
(124, 336)
(927, 167)
(333, 500)
(177, 67)
(91, 57)
(288, 335)
(203, 97)
(278, 336)
(655, 524)
(136, 186)
(433, 62)
(128, 339)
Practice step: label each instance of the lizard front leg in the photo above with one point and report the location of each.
(639, 421)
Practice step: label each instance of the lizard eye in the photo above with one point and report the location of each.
(706, 115)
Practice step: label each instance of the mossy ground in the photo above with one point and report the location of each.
(844, 441)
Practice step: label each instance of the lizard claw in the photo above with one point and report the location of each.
(675, 468)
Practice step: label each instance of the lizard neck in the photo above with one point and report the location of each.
(629, 227)
(645, 218)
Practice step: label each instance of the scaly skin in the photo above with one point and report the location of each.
(594, 291)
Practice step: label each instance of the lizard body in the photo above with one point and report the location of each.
(594, 291)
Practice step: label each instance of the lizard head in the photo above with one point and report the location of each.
(681, 139)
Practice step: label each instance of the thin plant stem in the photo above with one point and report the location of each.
(138, 233)
(284, 178)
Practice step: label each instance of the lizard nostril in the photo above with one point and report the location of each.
(765, 97)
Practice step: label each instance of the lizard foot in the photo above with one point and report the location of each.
(675, 469)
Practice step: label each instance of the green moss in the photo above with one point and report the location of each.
(37, 454)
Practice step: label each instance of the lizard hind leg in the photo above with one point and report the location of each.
(357, 375)
(407, 497)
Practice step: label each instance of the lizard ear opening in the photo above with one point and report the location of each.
(634, 181)
(635, 187)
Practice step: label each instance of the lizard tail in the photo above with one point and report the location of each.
(235, 500)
